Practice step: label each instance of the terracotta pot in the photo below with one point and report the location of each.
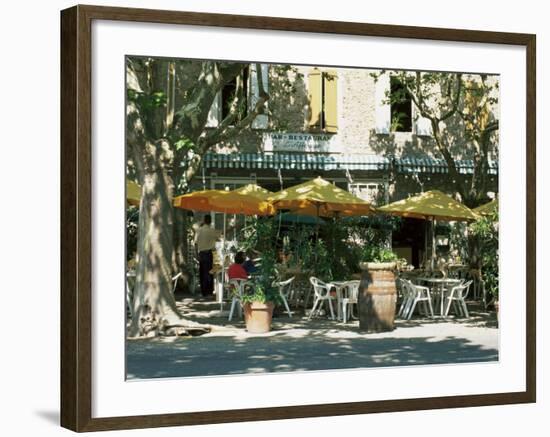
(377, 297)
(257, 317)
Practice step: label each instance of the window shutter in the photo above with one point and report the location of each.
(382, 106)
(214, 114)
(330, 104)
(261, 120)
(314, 95)
(423, 125)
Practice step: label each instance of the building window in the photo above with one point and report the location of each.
(401, 107)
(221, 105)
(387, 119)
(228, 96)
(323, 100)
(373, 192)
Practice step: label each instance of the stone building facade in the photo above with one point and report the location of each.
(291, 143)
(337, 123)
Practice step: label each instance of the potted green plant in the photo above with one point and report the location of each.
(261, 296)
(377, 292)
(258, 305)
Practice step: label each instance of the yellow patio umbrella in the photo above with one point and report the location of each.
(431, 205)
(335, 213)
(488, 208)
(195, 201)
(320, 197)
(133, 192)
(258, 192)
(229, 202)
(255, 191)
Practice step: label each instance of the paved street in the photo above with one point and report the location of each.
(300, 345)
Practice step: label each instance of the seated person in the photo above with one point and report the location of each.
(236, 270)
(249, 265)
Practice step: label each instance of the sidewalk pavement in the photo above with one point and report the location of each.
(296, 344)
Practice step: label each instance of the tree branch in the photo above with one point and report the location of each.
(444, 150)
(456, 101)
(135, 136)
(226, 130)
(420, 104)
(233, 108)
(260, 80)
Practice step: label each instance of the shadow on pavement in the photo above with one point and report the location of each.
(282, 353)
(298, 344)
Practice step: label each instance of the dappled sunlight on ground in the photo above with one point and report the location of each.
(296, 344)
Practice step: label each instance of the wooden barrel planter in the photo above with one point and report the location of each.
(377, 297)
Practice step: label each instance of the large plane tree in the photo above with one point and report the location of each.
(167, 109)
(461, 111)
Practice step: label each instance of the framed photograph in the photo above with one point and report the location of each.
(266, 218)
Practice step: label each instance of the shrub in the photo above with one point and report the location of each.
(261, 292)
(378, 254)
(484, 233)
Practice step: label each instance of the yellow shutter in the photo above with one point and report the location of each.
(314, 95)
(330, 106)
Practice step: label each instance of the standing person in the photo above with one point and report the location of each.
(205, 241)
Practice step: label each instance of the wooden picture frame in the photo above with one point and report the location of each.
(76, 217)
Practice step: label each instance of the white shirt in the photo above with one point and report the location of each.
(205, 238)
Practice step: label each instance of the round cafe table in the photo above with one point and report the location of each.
(439, 284)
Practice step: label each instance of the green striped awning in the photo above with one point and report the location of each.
(296, 161)
(433, 165)
(327, 162)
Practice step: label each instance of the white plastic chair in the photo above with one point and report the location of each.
(285, 291)
(175, 281)
(406, 296)
(418, 294)
(321, 295)
(238, 291)
(457, 297)
(352, 288)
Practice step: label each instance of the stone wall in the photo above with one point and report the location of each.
(289, 112)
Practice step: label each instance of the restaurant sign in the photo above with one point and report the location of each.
(298, 142)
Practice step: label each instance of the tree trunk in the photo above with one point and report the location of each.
(179, 254)
(152, 129)
(154, 306)
(474, 249)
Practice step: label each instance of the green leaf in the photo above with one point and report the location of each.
(184, 143)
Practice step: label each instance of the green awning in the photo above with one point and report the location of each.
(434, 165)
(328, 162)
(296, 161)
